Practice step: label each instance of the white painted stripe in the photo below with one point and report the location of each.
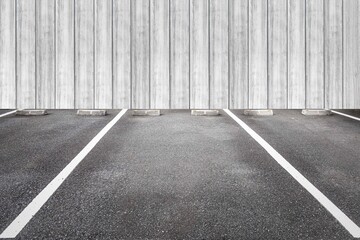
(345, 115)
(8, 113)
(353, 229)
(25, 216)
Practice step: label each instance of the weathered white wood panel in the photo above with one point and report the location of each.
(315, 54)
(26, 85)
(140, 38)
(333, 54)
(179, 53)
(122, 54)
(84, 54)
(159, 54)
(296, 54)
(351, 54)
(45, 53)
(7, 54)
(258, 86)
(238, 53)
(65, 57)
(219, 53)
(277, 53)
(103, 54)
(199, 54)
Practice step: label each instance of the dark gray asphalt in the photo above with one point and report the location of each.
(33, 150)
(355, 113)
(2, 111)
(325, 149)
(183, 177)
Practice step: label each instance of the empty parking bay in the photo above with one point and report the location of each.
(324, 148)
(34, 150)
(183, 177)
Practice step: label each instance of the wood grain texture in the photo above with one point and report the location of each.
(159, 54)
(238, 54)
(179, 53)
(219, 53)
(84, 54)
(45, 54)
(333, 54)
(122, 54)
(140, 51)
(277, 53)
(65, 57)
(7, 54)
(199, 54)
(258, 86)
(103, 54)
(351, 54)
(296, 54)
(26, 85)
(315, 54)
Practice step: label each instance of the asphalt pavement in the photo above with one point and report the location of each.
(179, 176)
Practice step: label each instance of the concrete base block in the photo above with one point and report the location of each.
(31, 112)
(205, 112)
(149, 112)
(316, 112)
(262, 112)
(90, 112)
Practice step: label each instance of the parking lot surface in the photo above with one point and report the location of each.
(3, 111)
(179, 176)
(34, 150)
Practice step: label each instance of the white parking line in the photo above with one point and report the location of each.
(345, 115)
(8, 113)
(25, 216)
(347, 223)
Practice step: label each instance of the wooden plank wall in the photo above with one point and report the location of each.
(7, 54)
(180, 54)
(351, 54)
(25, 54)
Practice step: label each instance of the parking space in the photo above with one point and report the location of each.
(350, 113)
(34, 150)
(180, 177)
(325, 149)
(4, 111)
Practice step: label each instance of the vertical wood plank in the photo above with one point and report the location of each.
(199, 54)
(315, 54)
(238, 54)
(7, 54)
(258, 54)
(333, 54)
(65, 57)
(159, 54)
(219, 53)
(122, 54)
(84, 54)
(179, 53)
(45, 53)
(351, 54)
(26, 54)
(103, 54)
(296, 54)
(140, 37)
(277, 54)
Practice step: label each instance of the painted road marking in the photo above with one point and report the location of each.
(25, 216)
(345, 115)
(8, 113)
(347, 223)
